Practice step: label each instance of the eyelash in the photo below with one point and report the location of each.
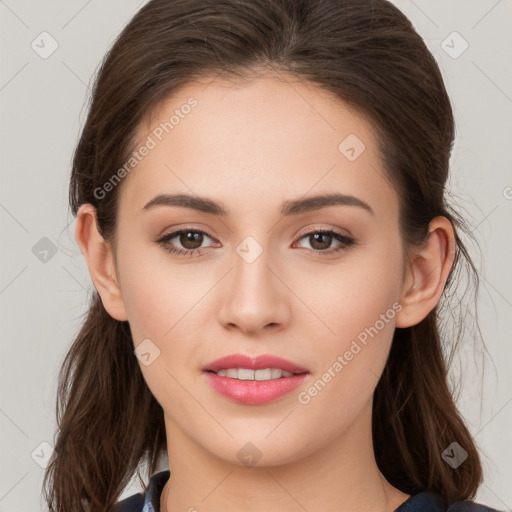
(346, 242)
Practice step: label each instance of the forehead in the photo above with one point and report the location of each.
(242, 141)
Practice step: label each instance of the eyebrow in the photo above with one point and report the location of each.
(291, 207)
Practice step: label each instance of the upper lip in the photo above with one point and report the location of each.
(254, 363)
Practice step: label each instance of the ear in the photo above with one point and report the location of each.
(100, 261)
(427, 272)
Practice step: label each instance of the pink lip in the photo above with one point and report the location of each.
(258, 363)
(253, 392)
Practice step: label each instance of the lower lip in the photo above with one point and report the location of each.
(254, 392)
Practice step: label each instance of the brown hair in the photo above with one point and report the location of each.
(368, 54)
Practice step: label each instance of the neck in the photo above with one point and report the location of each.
(341, 476)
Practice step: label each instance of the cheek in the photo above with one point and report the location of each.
(357, 304)
(162, 306)
(351, 296)
(158, 296)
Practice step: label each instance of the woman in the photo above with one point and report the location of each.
(259, 192)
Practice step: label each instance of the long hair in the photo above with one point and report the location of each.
(368, 54)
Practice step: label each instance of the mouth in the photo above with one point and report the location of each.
(254, 381)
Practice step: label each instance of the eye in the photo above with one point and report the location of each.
(191, 241)
(321, 240)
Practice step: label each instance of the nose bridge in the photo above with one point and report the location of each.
(254, 298)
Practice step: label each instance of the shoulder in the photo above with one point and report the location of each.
(432, 502)
(147, 501)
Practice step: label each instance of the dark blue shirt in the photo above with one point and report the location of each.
(421, 502)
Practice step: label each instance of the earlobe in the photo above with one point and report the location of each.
(100, 262)
(427, 273)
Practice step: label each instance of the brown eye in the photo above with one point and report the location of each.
(184, 242)
(191, 239)
(320, 241)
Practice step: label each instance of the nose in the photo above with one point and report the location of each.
(254, 296)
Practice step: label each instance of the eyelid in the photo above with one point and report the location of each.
(313, 229)
(329, 227)
(177, 231)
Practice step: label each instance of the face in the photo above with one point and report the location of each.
(316, 284)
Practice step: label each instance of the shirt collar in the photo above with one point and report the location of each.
(154, 491)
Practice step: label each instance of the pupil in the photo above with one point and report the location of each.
(192, 238)
(319, 236)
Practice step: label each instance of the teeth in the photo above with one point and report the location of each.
(247, 374)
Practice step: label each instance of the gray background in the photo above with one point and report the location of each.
(43, 295)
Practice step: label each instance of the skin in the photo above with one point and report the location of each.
(251, 146)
